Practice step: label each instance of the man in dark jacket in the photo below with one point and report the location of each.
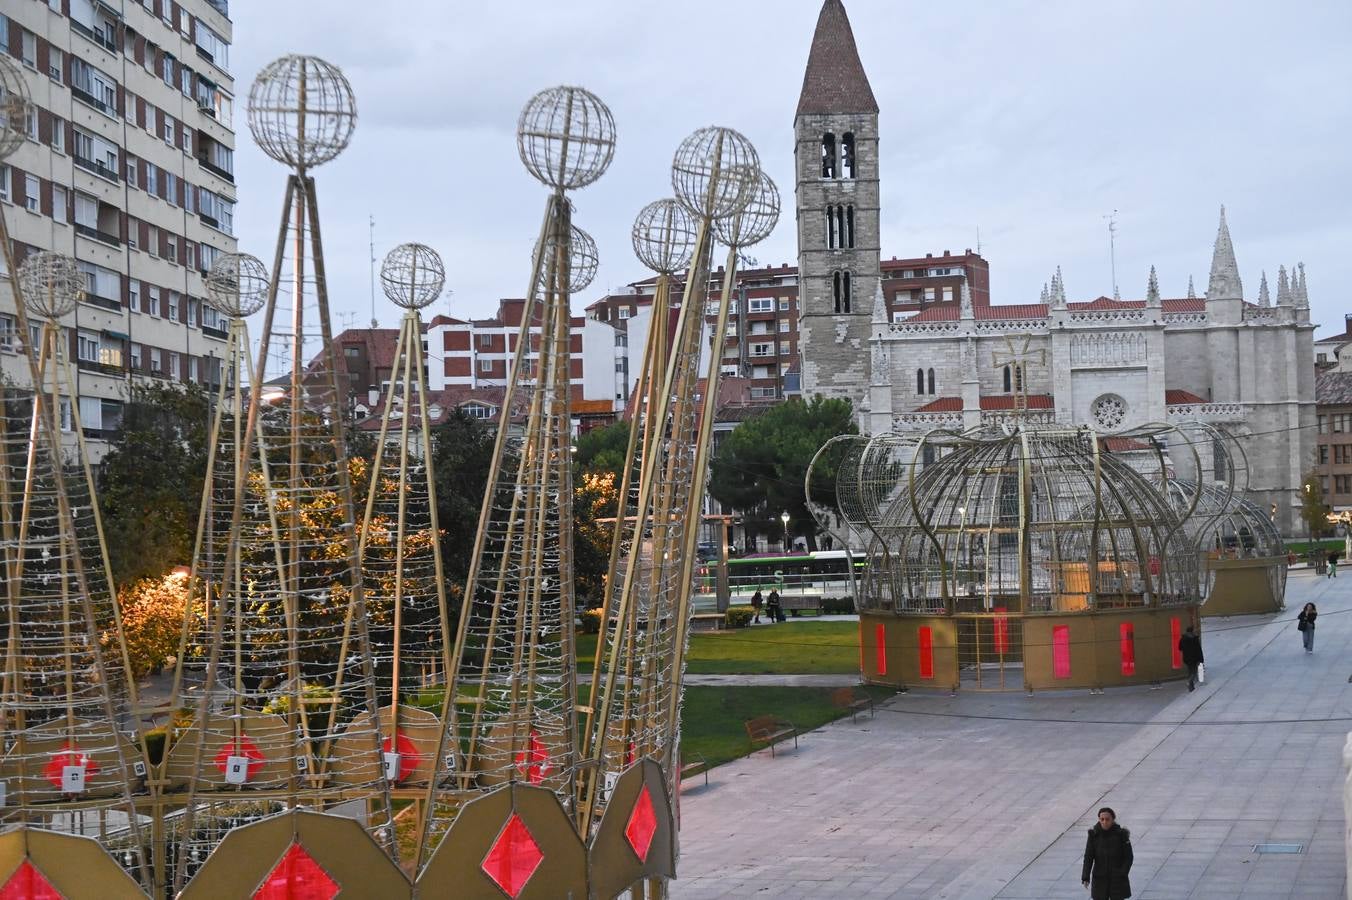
(1190, 645)
(1107, 859)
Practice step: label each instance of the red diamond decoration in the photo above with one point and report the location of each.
(409, 757)
(68, 755)
(244, 747)
(513, 858)
(297, 877)
(27, 883)
(642, 825)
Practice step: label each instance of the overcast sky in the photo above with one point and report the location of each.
(1030, 121)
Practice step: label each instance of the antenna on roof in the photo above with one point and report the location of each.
(1112, 249)
(978, 240)
(347, 318)
(374, 323)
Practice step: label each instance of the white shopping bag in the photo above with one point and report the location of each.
(1201, 673)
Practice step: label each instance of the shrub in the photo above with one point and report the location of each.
(738, 616)
(152, 621)
(591, 621)
(837, 606)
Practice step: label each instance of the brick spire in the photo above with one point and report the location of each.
(835, 81)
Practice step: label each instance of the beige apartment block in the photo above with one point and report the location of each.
(128, 169)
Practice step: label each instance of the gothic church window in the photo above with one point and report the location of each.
(840, 227)
(847, 154)
(929, 377)
(1013, 379)
(832, 236)
(828, 155)
(1008, 380)
(920, 381)
(849, 227)
(840, 290)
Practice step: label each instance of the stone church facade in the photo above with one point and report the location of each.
(1114, 364)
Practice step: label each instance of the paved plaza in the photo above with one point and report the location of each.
(990, 795)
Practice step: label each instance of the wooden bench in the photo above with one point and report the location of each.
(707, 621)
(770, 731)
(696, 765)
(846, 698)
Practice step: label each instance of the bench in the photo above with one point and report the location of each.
(846, 698)
(696, 765)
(706, 621)
(770, 731)
(796, 603)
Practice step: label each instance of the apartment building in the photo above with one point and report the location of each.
(762, 343)
(128, 168)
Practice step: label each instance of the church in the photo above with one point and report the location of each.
(1110, 363)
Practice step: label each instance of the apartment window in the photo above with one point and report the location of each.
(215, 210)
(58, 134)
(67, 420)
(211, 317)
(9, 331)
(134, 295)
(153, 241)
(948, 295)
(87, 346)
(784, 349)
(4, 183)
(761, 304)
(485, 365)
(173, 303)
(206, 257)
(135, 354)
(477, 411)
(625, 312)
(31, 123)
(784, 326)
(32, 186)
(91, 413)
(152, 180)
(762, 349)
(153, 295)
(929, 294)
(93, 86)
(170, 188)
(171, 249)
(485, 340)
(131, 172)
(192, 313)
(156, 365)
(133, 233)
(54, 64)
(783, 304)
(28, 49)
(174, 364)
(60, 202)
(192, 369)
(1323, 454)
(185, 80)
(100, 282)
(167, 69)
(214, 47)
(167, 131)
(1342, 484)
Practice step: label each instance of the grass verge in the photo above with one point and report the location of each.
(789, 648)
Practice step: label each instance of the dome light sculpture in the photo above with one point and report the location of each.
(302, 111)
(1244, 557)
(1023, 557)
(14, 107)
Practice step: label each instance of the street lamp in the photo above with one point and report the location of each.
(784, 517)
(1309, 524)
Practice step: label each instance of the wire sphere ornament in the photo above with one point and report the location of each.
(582, 260)
(664, 236)
(14, 107)
(412, 276)
(302, 111)
(566, 137)
(756, 220)
(714, 172)
(238, 284)
(52, 283)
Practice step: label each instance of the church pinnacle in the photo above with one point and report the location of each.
(835, 81)
(1152, 289)
(1224, 283)
(1264, 298)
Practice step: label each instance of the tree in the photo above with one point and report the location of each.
(1313, 509)
(602, 450)
(462, 452)
(760, 467)
(150, 482)
(152, 621)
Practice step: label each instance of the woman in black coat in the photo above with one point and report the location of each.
(1305, 622)
(1107, 859)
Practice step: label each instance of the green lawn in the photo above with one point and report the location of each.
(789, 648)
(713, 718)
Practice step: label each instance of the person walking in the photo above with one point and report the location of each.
(1305, 624)
(1333, 567)
(1107, 859)
(756, 602)
(773, 608)
(1190, 645)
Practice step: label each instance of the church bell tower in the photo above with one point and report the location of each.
(836, 160)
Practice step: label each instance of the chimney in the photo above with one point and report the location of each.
(929, 256)
(946, 253)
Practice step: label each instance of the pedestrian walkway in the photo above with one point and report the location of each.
(990, 795)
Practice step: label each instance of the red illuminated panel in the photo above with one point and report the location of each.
(880, 647)
(1001, 632)
(1175, 654)
(1060, 651)
(1127, 642)
(27, 883)
(926, 640)
(297, 877)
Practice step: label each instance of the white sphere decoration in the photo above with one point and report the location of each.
(714, 172)
(238, 284)
(582, 260)
(664, 236)
(14, 107)
(566, 137)
(412, 276)
(52, 283)
(302, 111)
(754, 222)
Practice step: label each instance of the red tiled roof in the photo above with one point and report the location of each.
(1121, 444)
(1106, 303)
(1184, 304)
(1012, 311)
(943, 404)
(1174, 396)
(1006, 401)
(593, 407)
(834, 81)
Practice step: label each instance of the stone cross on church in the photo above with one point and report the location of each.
(1017, 359)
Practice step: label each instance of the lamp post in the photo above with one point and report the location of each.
(784, 517)
(1309, 524)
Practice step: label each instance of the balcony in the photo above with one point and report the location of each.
(98, 168)
(105, 302)
(216, 170)
(221, 6)
(91, 100)
(217, 333)
(100, 236)
(209, 220)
